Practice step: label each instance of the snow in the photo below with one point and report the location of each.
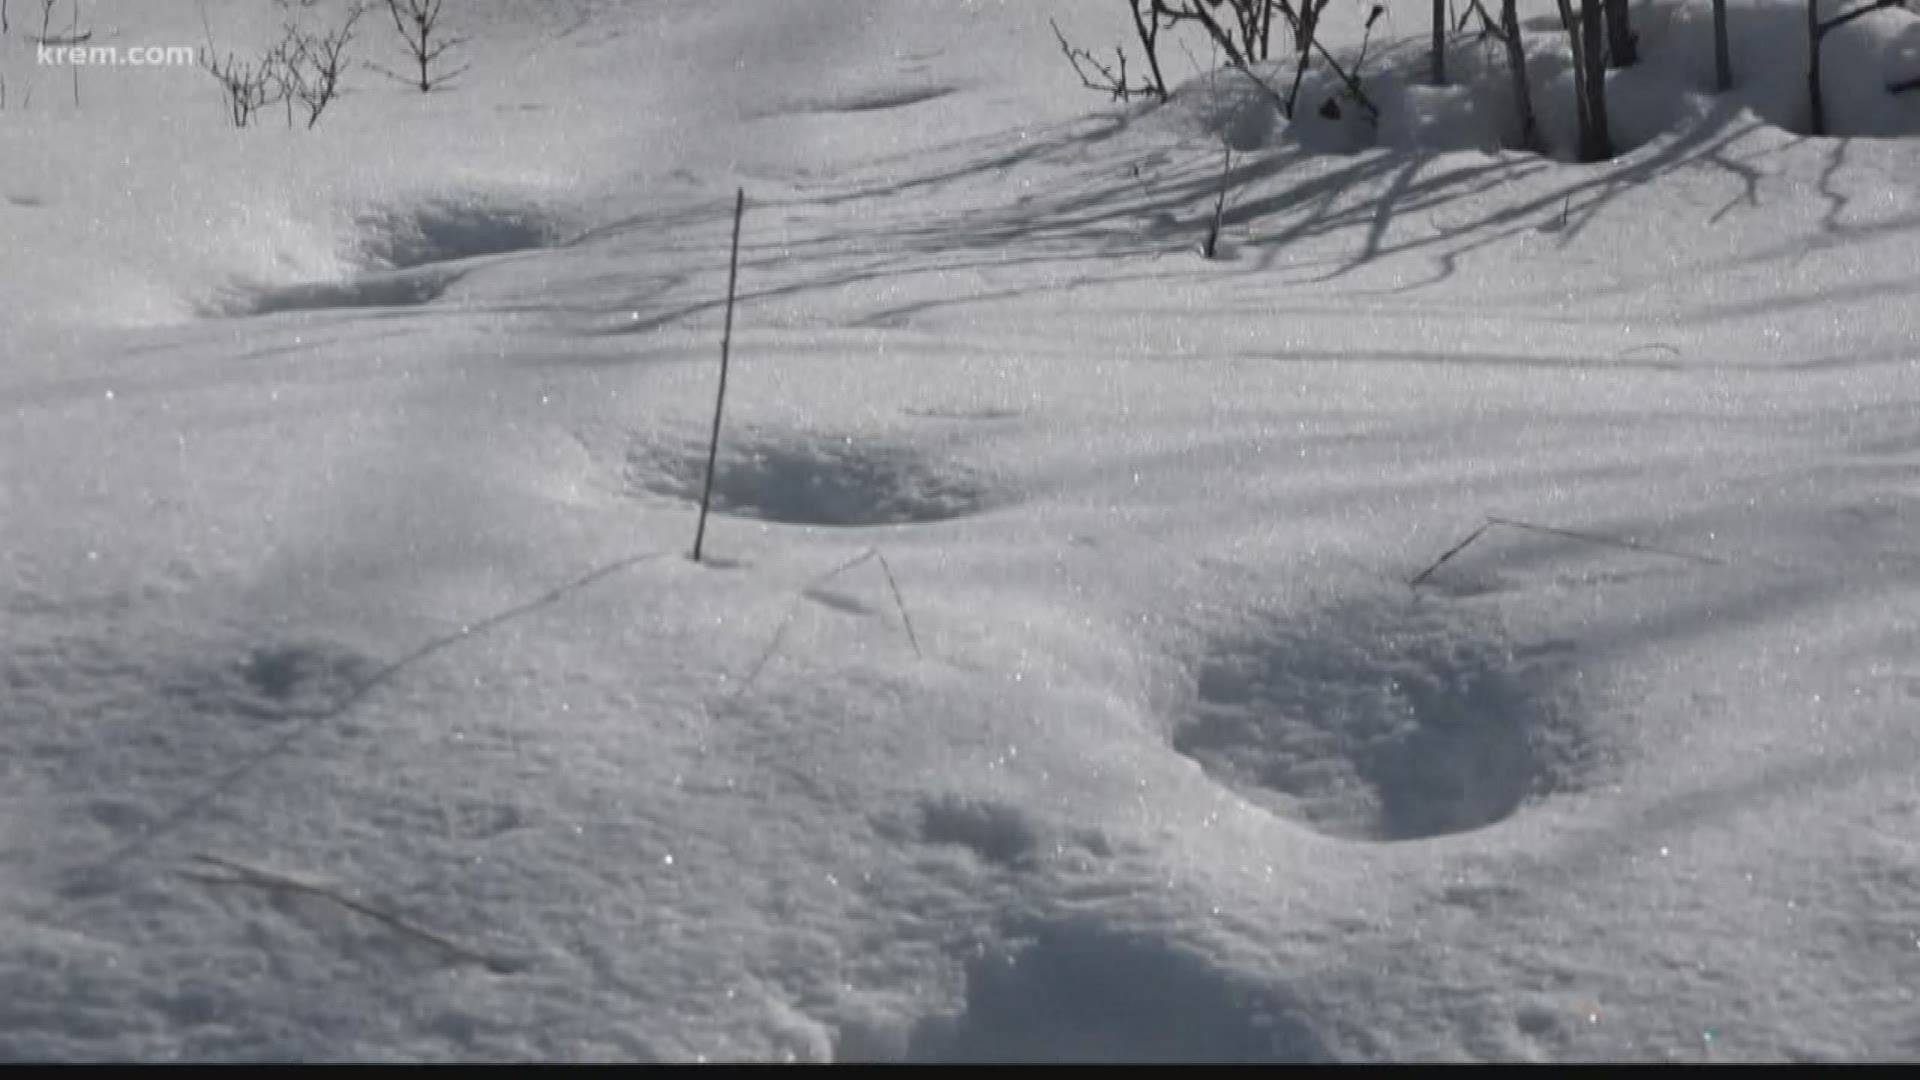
(1054, 686)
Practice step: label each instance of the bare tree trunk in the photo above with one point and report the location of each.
(1211, 244)
(1439, 42)
(1722, 59)
(1572, 25)
(1816, 103)
(1517, 66)
(1596, 143)
(1621, 40)
(1817, 30)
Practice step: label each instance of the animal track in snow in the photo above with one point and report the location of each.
(401, 288)
(810, 480)
(997, 832)
(292, 680)
(869, 99)
(410, 256)
(1385, 720)
(1077, 989)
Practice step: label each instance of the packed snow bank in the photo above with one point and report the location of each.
(1668, 91)
(1767, 40)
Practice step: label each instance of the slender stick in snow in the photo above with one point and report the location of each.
(720, 398)
(1212, 243)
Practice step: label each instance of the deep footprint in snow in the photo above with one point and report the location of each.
(1075, 989)
(287, 681)
(441, 233)
(843, 481)
(401, 288)
(1386, 720)
(864, 100)
(999, 833)
(411, 257)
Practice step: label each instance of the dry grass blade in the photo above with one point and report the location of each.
(905, 620)
(1605, 541)
(786, 619)
(1449, 553)
(243, 874)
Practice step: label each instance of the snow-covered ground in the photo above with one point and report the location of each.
(1054, 686)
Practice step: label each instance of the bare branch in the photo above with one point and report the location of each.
(1198, 13)
(1352, 82)
(250, 86)
(1285, 105)
(1838, 21)
(1110, 82)
(312, 64)
(1147, 29)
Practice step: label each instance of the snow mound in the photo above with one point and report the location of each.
(1669, 91)
(1858, 62)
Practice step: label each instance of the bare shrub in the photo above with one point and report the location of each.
(310, 63)
(1112, 80)
(249, 85)
(427, 41)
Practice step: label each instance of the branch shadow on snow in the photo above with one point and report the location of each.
(273, 676)
(1100, 206)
